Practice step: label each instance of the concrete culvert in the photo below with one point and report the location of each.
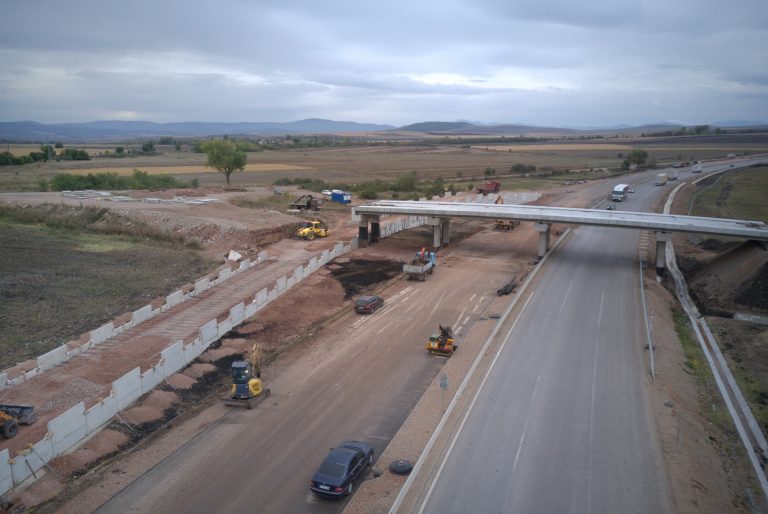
(401, 467)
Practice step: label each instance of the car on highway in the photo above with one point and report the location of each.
(343, 465)
(327, 192)
(368, 304)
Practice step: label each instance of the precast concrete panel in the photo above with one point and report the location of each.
(99, 414)
(31, 373)
(262, 256)
(173, 358)
(299, 273)
(224, 275)
(280, 285)
(174, 299)
(127, 389)
(3, 381)
(6, 475)
(353, 244)
(261, 297)
(52, 358)
(245, 265)
(141, 315)
(151, 378)
(237, 313)
(202, 285)
(102, 333)
(272, 295)
(338, 249)
(68, 428)
(40, 453)
(208, 332)
(250, 310)
(224, 327)
(324, 257)
(291, 282)
(193, 350)
(313, 264)
(19, 469)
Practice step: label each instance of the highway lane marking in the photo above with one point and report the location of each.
(437, 304)
(525, 424)
(386, 326)
(471, 406)
(565, 297)
(472, 297)
(458, 320)
(592, 406)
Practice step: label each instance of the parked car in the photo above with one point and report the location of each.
(343, 465)
(326, 192)
(368, 304)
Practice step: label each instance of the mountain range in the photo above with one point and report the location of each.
(31, 131)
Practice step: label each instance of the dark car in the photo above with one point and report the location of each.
(368, 304)
(343, 465)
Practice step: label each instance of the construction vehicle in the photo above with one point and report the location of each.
(422, 265)
(247, 387)
(491, 187)
(11, 416)
(308, 230)
(443, 342)
(306, 203)
(504, 225)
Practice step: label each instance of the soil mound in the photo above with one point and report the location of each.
(734, 280)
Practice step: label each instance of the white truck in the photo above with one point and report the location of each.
(697, 168)
(619, 193)
(673, 175)
(661, 179)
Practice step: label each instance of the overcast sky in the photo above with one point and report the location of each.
(538, 62)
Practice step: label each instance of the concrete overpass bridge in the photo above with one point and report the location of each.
(440, 213)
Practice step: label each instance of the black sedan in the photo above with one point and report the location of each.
(368, 304)
(343, 465)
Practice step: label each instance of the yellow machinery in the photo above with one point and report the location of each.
(11, 416)
(442, 343)
(312, 229)
(247, 386)
(504, 225)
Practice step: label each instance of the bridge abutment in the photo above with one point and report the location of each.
(662, 238)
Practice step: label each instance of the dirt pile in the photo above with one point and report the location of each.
(735, 280)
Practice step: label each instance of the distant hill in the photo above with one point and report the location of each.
(115, 129)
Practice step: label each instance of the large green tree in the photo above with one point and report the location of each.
(224, 156)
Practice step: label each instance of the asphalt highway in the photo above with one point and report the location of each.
(562, 422)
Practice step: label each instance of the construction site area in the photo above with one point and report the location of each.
(255, 301)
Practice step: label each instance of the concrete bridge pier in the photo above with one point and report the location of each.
(543, 229)
(441, 230)
(364, 236)
(662, 238)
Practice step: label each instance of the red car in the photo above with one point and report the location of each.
(368, 304)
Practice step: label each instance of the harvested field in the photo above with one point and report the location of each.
(546, 147)
(189, 170)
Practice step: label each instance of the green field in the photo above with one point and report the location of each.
(737, 195)
(58, 281)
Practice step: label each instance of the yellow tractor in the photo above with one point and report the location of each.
(504, 225)
(442, 343)
(309, 230)
(247, 386)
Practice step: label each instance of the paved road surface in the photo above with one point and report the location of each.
(562, 423)
(360, 384)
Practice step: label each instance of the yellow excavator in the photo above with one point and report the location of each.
(504, 225)
(11, 416)
(309, 230)
(247, 387)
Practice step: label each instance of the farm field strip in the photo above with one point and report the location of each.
(169, 170)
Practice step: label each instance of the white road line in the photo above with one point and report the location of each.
(465, 320)
(386, 326)
(476, 307)
(437, 304)
(565, 297)
(592, 406)
(469, 409)
(472, 297)
(458, 320)
(525, 424)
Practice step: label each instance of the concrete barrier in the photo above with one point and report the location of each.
(127, 389)
(251, 309)
(31, 373)
(172, 358)
(6, 475)
(280, 285)
(141, 315)
(52, 358)
(272, 295)
(3, 380)
(261, 297)
(193, 350)
(67, 429)
(102, 333)
(338, 249)
(224, 327)
(313, 263)
(245, 265)
(40, 453)
(174, 299)
(202, 285)
(324, 258)
(262, 256)
(152, 377)
(19, 469)
(299, 273)
(237, 313)
(100, 414)
(290, 282)
(224, 274)
(208, 332)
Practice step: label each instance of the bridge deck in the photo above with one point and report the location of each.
(543, 214)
